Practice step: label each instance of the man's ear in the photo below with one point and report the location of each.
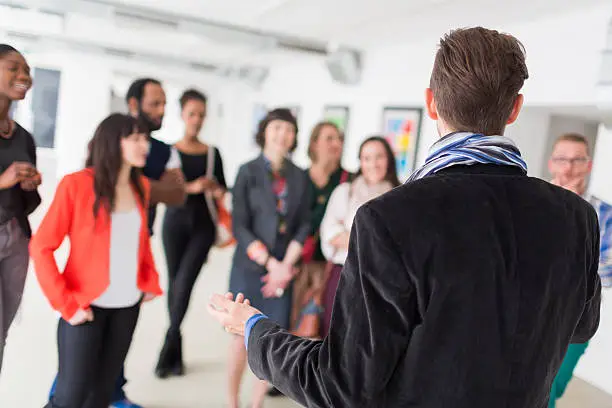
(516, 109)
(430, 104)
(133, 106)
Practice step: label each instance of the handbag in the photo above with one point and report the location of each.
(310, 244)
(308, 320)
(219, 213)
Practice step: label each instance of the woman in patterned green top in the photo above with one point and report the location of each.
(325, 174)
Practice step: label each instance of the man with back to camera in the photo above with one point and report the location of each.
(462, 288)
(570, 165)
(146, 99)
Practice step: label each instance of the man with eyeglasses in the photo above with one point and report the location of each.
(570, 166)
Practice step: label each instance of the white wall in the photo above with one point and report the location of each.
(530, 134)
(398, 75)
(84, 100)
(602, 166)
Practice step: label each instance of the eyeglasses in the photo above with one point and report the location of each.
(580, 161)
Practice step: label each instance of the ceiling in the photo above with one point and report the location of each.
(362, 23)
(238, 34)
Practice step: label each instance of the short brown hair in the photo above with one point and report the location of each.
(576, 138)
(316, 132)
(476, 78)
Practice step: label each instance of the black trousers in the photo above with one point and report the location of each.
(187, 236)
(91, 356)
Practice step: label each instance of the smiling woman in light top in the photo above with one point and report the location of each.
(377, 175)
(110, 268)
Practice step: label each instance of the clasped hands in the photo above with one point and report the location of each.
(277, 279)
(22, 173)
(279, 273)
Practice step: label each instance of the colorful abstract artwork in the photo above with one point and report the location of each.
(401, 127)
(339, 115)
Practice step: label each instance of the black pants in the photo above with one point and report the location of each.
(91, 356)
(187, 237)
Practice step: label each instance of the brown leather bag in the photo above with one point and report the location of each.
(308, 311)
(308, 299)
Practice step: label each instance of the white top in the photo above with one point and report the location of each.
(123, 272)
(341, 209)
(174, 162)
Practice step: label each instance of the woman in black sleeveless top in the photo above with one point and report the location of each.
(18, 182)
(188, 231)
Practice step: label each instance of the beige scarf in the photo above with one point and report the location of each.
(361, 192)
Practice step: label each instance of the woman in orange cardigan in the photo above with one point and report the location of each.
(110, 269)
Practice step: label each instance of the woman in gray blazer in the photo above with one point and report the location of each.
(271, 220)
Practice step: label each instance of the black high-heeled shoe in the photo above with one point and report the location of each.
(167, 356)
(177, 366)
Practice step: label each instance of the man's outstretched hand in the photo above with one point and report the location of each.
(232, 314)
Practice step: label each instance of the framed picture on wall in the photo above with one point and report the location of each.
(401, 126)
(339, 115)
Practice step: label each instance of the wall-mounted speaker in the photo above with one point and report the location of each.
(344, 65)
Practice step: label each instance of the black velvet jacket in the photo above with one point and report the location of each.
(460, 290)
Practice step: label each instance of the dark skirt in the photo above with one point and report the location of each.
(328, 298)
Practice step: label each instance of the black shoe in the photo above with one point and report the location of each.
(274, 392)
(162, 372)
(167, 357)
(177, 367)
(178, 370)
(162, 369)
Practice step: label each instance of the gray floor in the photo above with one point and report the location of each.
(30, 357)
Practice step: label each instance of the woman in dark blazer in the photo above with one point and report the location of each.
(271, 220)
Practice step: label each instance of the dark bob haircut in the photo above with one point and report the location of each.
(283, 114)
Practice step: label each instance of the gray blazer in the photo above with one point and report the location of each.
(254, 214)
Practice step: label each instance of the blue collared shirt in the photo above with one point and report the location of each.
(604, 213)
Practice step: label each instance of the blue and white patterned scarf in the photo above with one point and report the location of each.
(466, 148)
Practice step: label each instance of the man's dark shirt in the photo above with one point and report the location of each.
(155, 166)
(460, 290)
